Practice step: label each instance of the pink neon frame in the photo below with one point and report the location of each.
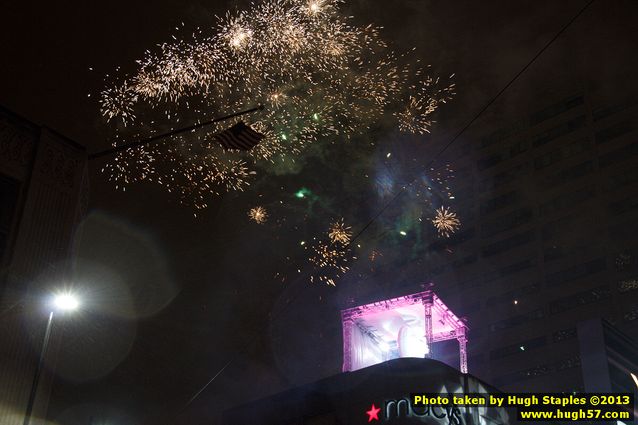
(441, 323)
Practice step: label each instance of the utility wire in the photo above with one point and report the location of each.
(160, 137)
(480, 112)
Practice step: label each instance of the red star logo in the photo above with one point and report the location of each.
(373, 413)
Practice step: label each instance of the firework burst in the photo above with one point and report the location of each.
(258, 215)
(340, 233)
(445, 222)
(320, 78)
(374, 255)
(331, 261)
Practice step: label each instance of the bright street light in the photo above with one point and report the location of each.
(66, 302)
(62, 302)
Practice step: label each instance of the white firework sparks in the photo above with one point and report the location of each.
(446, 222)
(258, 215)
(319, 77)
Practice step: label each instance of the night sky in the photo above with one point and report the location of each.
(174, 298)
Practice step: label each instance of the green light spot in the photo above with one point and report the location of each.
(301, 193)
(283, 136)
(315, 116)
(402, 233)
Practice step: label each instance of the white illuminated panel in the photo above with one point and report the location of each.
(399, 327)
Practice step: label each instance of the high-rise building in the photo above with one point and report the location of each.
(43, 194)
(549, 204)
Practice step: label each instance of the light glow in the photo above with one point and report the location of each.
(66, 302)
(397, 328)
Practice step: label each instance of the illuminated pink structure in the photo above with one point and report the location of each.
(399, 327)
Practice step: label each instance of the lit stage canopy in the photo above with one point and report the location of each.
(399, 327)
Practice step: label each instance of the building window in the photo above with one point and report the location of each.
(618, 155)
(507, 176)
(517, 267)
(540, 370)
(576, 272)
(498, 202)
(553, 252)
(559, 131)
(510, 296)
(455, 239)
(518, 148)
(568, 363)
(628, 285)
(600, 293)
(9, 192)
(556, 109)
(517, 348)
(625, 178)
(601, 113)
(623, 206)
(623, 261)
(574, 148)
(564, 334)
(470, 259)
(548, 159)
(501, 134)
(460, 237)
(509, 221)
(570, 199)
(568, 174)
(489, 161)
(631, 315)
(509, 270)
(614, 131)
(522, 375)
(508, 243)
(517, 320)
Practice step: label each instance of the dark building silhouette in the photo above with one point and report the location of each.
(549, 209)
(43, 195)
(609, 359)
(345, 398)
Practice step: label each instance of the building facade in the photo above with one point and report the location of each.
(609, 359)
(43, 195)
(375, 394)
(549, 205)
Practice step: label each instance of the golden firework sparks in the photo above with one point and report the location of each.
(239, 37)
(445, 222)
(314, 7)
(340, 233)
(331, 261)
(302, 59)
(258, 215)
(374, 255)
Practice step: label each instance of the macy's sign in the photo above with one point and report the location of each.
(401, 408)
